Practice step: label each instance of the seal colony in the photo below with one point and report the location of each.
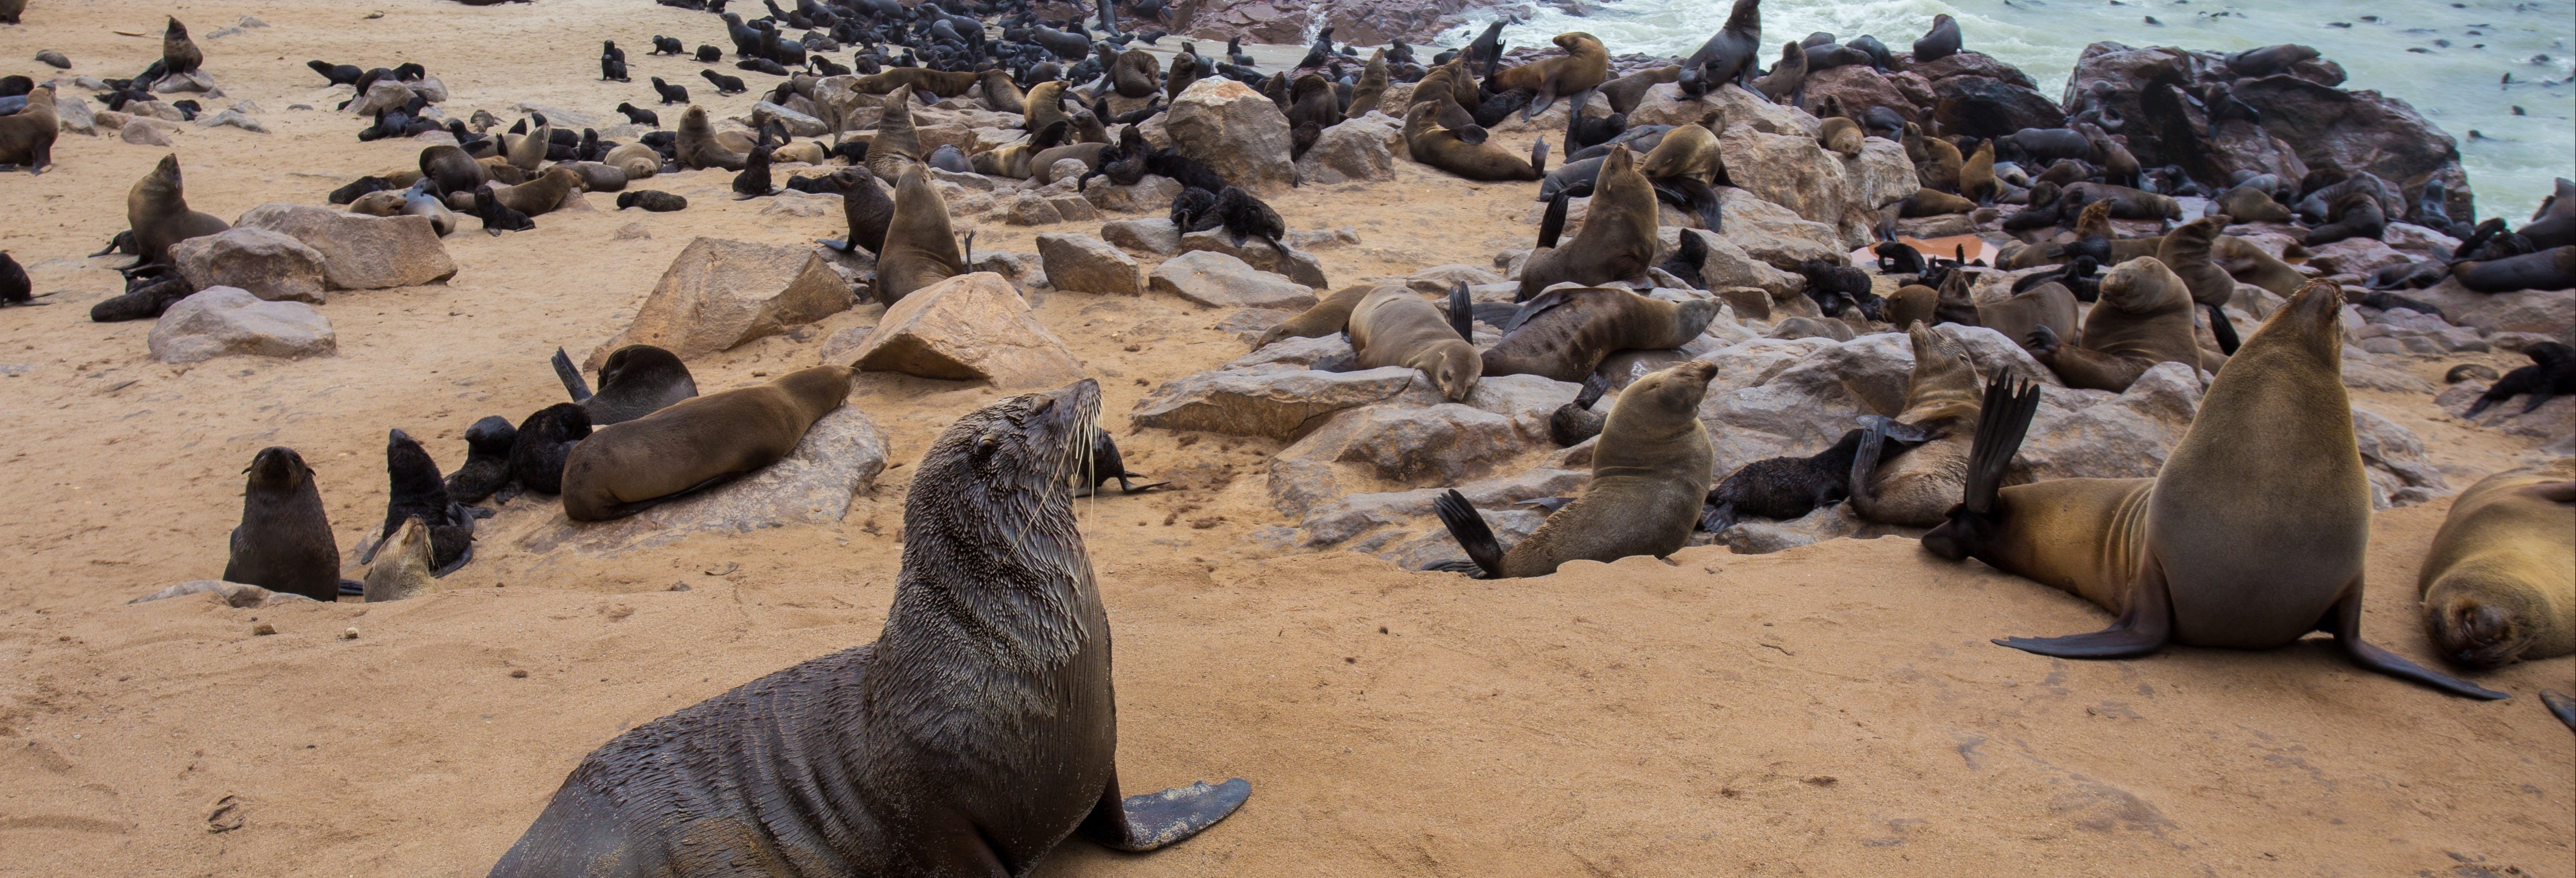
(910, 754)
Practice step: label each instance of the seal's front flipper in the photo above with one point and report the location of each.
(1125, 488)
(2143, 629)
(2344, 622)
(1156, 820)
(2561, 705)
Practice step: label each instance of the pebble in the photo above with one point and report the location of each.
(351, 634)
(262, 629)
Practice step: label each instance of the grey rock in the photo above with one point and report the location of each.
(1295, 265)
(1351, 516)
(361, 252)
(1218, 280)
(967, 328)
(717, 294)
(1152, 236)
(1236, 132)
(1278, 405)
(270, 265)
(383, 94)
(1353, 151)
(798, 124)
(1082, 263)
(233, 594)
(1330, 354)
(840, 456)
(229, 321)
(1153, 194)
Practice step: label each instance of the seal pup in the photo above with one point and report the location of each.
(284, 541)
(652, 200)
(639, 116)
(1785, 488)
(1787, 79)
(635, 380)
(542, 442)
(403, 572)
(2143, 318)
(418, 493)
(696, 443)
(487, 460)
(2499, 583)
(1616, 242)
(2252, 535)
(15, 289)
(1392, 326)
(976, 733)
(157, 210)
(1917, 488)
(27, 136)
(1649, 473)
(866, 209)
(179, 54)
(920, 248)
(1105, 463)
(1565, 333)
(2552, 373)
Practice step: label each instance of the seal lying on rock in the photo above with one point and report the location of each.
(696, 443)
(1564, 333)
(977, 732)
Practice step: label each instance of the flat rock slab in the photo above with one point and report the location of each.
(361, 252)
(269, 264)
(968, 328)
(719, 293)
(839, 457)
(1215, 279)
(230, 322)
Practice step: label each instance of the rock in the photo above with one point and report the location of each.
(1812, 327)
(1439, 279)
(1774, 397)
(229, 321)
(2553, 423)
(2418, 240)
(969, 181)
(1248, 324)
(1447, 442)
(2354, 256)
(840, 456)
(233, 594)
(1031, 209)
(1754, 536)
(234, 118)
(798, 124)
(1151, 236)
(142, 131)
(1727, 265)
(361, 252)
(1073, 208)
(1664, 105)
(1277, 405)
(433, 90)
(111, 119)
(2359, 131)
(194, 81)
(789, 202)
(2239, 145)
(1966, 62)
(2120, 437)
(1153, 194)
(1981, 106)
(718, 293)
(1859, 87)
(634, 231)
(558, 116)
(382, 95)
(1082, 263)
(155, 109)
(2546, 312)
(969, 327)
(1022, 267)
(1218, 280)
(1788, 170)
(1236, 132)
(75, 114)
(1329, 354)
(1354, 150)
(1351, 516)
(1879, 176)
(1776, 234)
(2400, 475)
(269, 265)
(1297, 266)
(2402, 331)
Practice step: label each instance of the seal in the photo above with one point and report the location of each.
(543, 194)
(537, 452)
(487, 460)
(897, 145)
(696, 443)
(1136, 74)
(157, 210)
(2143, 318)
(1626, 92)
(1001, 95)
(179, 55)
(1618, 237)
(1687, 162)
(1649, 474)
(1917, 488)
(452, 168)
(1392, 326)
(2552, 269)
(1729, 54)
(2248, 204)
(2251, 536)
(920, 249)
(865, 208)
(2186, 250)
(1565, 333)
(699, 146)
(1941, 42)
(1365, 95)
(1452, 150)
(635, 380)
(1584, 67)
(2251, 264)
(976, 733)
(1977, 176)
(1105, 463)
(27, 136)
(418, 494)
(403, 571)
(2499, 583)
(1787, 79)
(2552, 373)
(284, 541)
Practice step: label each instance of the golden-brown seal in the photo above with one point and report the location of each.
(2144, 318)
(697, 145)
(157, 210)
(1450, 150)
(920, 248)
(1583, 67)
(1393, 326)
(27, 136)
(1617, 240)
(2499, 583)
(627, 467)
(1565, 333)
(1918, 487)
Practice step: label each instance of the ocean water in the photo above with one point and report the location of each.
(2459, 86)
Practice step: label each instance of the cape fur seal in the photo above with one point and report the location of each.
(157, 210)
(1917, 488)
(696, 443)
(179, 54)
(487, 460)
(635, 380)
(1583, 67)
(977, 732)
(1565, 333)
(27, 136)
(2252, 535)
(920, 249)
(2552, 373)
(1618, 237)
(402, 568)
(2499, 583)
(418, 494)
(1392, 326)
(1729, 54)
(699, 146)
(1452, 150)
(2552, 269)
(1649, 473)
(2186, 251)
(538, 449)
(2143, 318)
(284, 541)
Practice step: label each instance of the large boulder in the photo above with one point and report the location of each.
(1296, 265)
(2099, 435)
(382, 95)
(1234, 131)
(1795, 397)
(1966, 62)
(1776, 234)
(1356, 514)
(1859, 87)
(1354, 150)
(1218, 280)
(1153, 194)
(840, 456)
(2359, 131)
(270, 265)
(1149, 236)
(719, 293)
(1981, 106)
(1330, 353)
(229, 322)
(1447, 442)
(1277, 404)
(1084, 264)
(1727, 265)
(1789, 170)
(361, 252)
(967, 328)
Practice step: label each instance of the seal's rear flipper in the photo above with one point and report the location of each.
(1594, 388)
(453, 566)
(1154, 820)
(2561, 705)
(571, 377)
(2344, 622)
(1716, 518)
(2224, 330)
(2009, 406)
(1462, 312)
(1551, 504)
(1873, 438)
(1538, 156)
(352, 588)
(1471, 532)
(2141, 630)
(1552, 225)
(1125, 488)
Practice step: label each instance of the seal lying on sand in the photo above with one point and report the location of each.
(977, 732)
(2499, 583)
(2251, 536)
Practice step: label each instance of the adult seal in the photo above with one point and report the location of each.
(1918, 487)
(2143, 318)
(976, 733)
(1616, 242)
(696, 443)
(284, 542)
(27, 136)
(157, 210)
(1649, 474)
(635, 380)
(2499, 583)
(920, 249)
(1583, 67)
(1565, 333)
(1393, 326)
(2253, 534)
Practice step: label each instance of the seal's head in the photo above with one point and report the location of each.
(2143, 285)
(414, 474)
(995, 489)
(1672, 395)
(277, 468)
(491, 437)
(1941, 364)
(1453, 367)
(2476, 625)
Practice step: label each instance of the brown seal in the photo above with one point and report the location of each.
(1328, 316)
(1649, 474)
(1016, 159)
(157, 210)
(697, 145)
(1626, 92)
(2127, 203)
(2251, 264)
(1001, 95)
(2049, 305)
(2499, 583)
(1977, 176)
(1043, 106)
(1565, 333)
(896, 146)
(1426, 141)
(1917, 488)
(2144, 318)
(284, 542)
(977, 732)
(1393, 326)
(1938, 161)
(1914, 302)
(402, 568)
(543, 194)
(1618, 237)
(1366, 94)
(2250, 205)
(1583, 67)
(178, 53)
(946, 84)
(920, 248)
(696, 443)
(27, 136)
(2252, 535)
(1136, 74)
(527, 152)
(2186, 250)
(1787, 78)
(2551, 269)
(1841, 134)
(637, 160)
(1688, 161)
